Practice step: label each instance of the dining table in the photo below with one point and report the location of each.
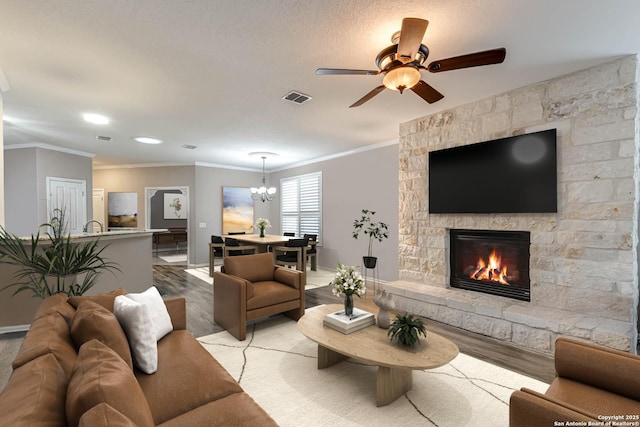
(263, 244)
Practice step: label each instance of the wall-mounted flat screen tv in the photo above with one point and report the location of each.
(517, 174)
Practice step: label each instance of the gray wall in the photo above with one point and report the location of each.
(208, 194)
(135, 180)
(365, 180)
(156, 206)
(205, 196)
(21, 201)
(26, 204)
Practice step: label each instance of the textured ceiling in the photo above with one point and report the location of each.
(211, 73)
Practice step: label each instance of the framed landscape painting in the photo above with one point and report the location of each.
(237, 210)
(123, 210)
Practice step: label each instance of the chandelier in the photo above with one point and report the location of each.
(263, 193)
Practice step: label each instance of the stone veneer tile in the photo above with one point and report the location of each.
(592, 79)
(536, 339)
(609, 132)
(539, 317)
(584, 253)
(489, 326)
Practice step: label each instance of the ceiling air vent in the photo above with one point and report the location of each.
(296, 97)
(103, 138)
(189, 146)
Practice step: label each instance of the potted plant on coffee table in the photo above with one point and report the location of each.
(53, 263)
(375, 230)
(406, 329)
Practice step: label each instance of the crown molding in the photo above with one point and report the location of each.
(285, 167)
(338, 155)
(49, 147)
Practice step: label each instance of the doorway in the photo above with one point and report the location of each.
(68, 195)
(168, 208)
(98, 208)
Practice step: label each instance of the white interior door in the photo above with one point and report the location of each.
(68, 195)
(98, 208)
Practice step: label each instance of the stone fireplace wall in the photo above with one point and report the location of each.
(584, 259)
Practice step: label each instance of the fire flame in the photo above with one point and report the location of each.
(493, 272)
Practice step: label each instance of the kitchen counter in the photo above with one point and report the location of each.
(130, 249)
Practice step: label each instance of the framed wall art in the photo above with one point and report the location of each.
(237, 210)
(123, 210)
(175, 206)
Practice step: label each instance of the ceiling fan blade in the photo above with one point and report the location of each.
(487, 57)
(427, 92)
(342, 71)
(368, 96)
(411, 35)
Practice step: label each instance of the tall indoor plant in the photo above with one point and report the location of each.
(375, 230)
(52, 263)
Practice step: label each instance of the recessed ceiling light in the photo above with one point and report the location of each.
(96, 119)
(147, 140)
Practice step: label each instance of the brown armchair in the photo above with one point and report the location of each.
(592, 382)
(251, 286)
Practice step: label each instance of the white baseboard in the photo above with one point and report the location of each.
(12, 329)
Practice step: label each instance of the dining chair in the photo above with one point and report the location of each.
(216, 249)
(238, 249)
(311, 250)
(292, 253)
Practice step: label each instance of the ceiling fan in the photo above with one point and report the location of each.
(402, 61)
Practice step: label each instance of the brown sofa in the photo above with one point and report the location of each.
(251, 286)
(593, 383)
(75, 368)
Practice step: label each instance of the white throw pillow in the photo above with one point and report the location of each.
(135, 319)
(159, 314)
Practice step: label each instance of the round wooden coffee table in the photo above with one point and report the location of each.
(371, 344)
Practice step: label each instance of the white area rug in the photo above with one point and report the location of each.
(315, 279)
(277, 366)
(202, 273)
(174, 258)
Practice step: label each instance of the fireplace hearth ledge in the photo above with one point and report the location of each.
(519, 323)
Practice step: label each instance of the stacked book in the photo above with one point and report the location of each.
(347, 324)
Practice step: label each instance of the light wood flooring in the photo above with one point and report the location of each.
(172, 281)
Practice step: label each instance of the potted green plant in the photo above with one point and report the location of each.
(53, 263)
(406, 330)
(375, 230)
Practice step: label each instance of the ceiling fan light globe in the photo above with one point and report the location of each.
(401, 78)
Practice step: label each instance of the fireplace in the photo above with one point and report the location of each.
(492, 262)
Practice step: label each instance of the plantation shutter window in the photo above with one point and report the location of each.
(301, 204)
